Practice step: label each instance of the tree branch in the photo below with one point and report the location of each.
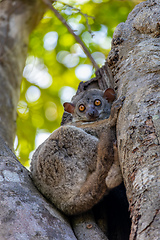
(58, 15)
(86, 16)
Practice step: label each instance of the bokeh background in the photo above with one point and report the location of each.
(56, 64)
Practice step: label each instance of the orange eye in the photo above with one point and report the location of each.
(97, 102)
(81, 108)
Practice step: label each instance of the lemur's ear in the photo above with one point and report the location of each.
(69, 107)
(109, 94)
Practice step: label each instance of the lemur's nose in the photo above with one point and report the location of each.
(92, 112)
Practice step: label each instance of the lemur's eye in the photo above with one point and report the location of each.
(97, 102)
(81, 108)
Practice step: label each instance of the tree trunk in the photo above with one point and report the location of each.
(135, 63)
(17, 20)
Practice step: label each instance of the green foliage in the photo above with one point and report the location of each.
(53, 67)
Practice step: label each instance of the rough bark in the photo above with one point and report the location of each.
(135, 63)
(17, 19)
(85, 227)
